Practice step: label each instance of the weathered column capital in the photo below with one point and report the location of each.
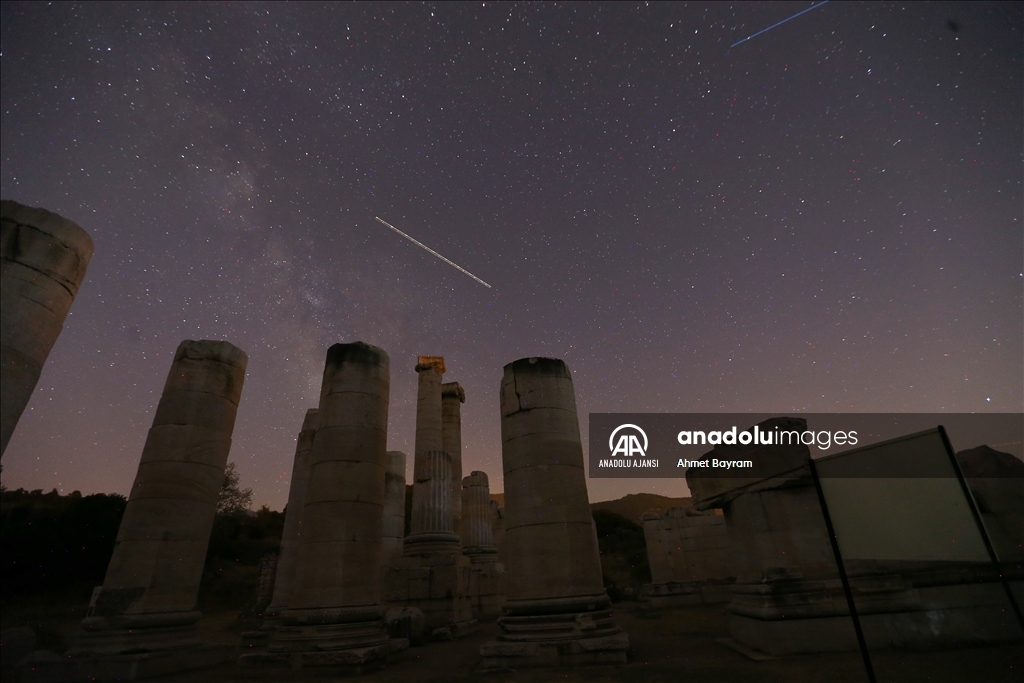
(435, 363)
(453, 390)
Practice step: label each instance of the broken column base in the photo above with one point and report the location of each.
(686, 593)
(47, 667)
(353, 639)
(532, 634)
(438, 584)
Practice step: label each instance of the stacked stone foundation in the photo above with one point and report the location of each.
(688, 552)
(920, 612)
(544, 633)
(353, 640)
(486, 587)
(789, 599)
(439, 585)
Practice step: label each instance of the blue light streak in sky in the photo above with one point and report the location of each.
(754, 35)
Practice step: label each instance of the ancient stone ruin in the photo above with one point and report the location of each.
(498, 530)
(44, 261)
(148, 600)
(335, 616)
(688, 552)
(265, 587)
(452, 398)
(487, 581)
(557, 611)
(996, 481)
(285, 580)
(433, 575)
(788, 596)
(394, 510)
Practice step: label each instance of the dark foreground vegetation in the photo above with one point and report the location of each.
(55, 548)
(52, 542)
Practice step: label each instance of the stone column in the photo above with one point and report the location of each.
(487, 582)
(394, 509)
(432, 519)
(476, 504)
(292, 533)
(452, 398)
(148, 597)
(268, 579)
(335, 615)
(432, 575)
(44, 260)
(557, 611)
(498, 530)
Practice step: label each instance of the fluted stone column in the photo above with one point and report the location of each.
(335, 615)
(148, 597)
(477, 541)
(44, 258)
(557, 611)
(432, 520)
(432, 575)
(394, 509)
(487, 582)
(284, 582)
(452, 398)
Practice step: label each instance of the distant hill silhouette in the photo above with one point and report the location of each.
(630, 506)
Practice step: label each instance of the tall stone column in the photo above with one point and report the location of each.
(432, 575)
(335, 616)
(148, 597)
(557, 611)
(432, 520)
(452, 398)
(284, 582)
(394, 509)
(44, 258)
(487, 582)
(476, 504)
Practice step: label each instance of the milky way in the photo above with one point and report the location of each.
(827, 218)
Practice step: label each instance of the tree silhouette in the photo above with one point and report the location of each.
(232, 498)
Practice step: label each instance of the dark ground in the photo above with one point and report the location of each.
(668, 646)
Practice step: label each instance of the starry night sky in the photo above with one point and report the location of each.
(824, 218)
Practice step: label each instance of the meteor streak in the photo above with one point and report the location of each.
(764, 30)
(423, 246)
